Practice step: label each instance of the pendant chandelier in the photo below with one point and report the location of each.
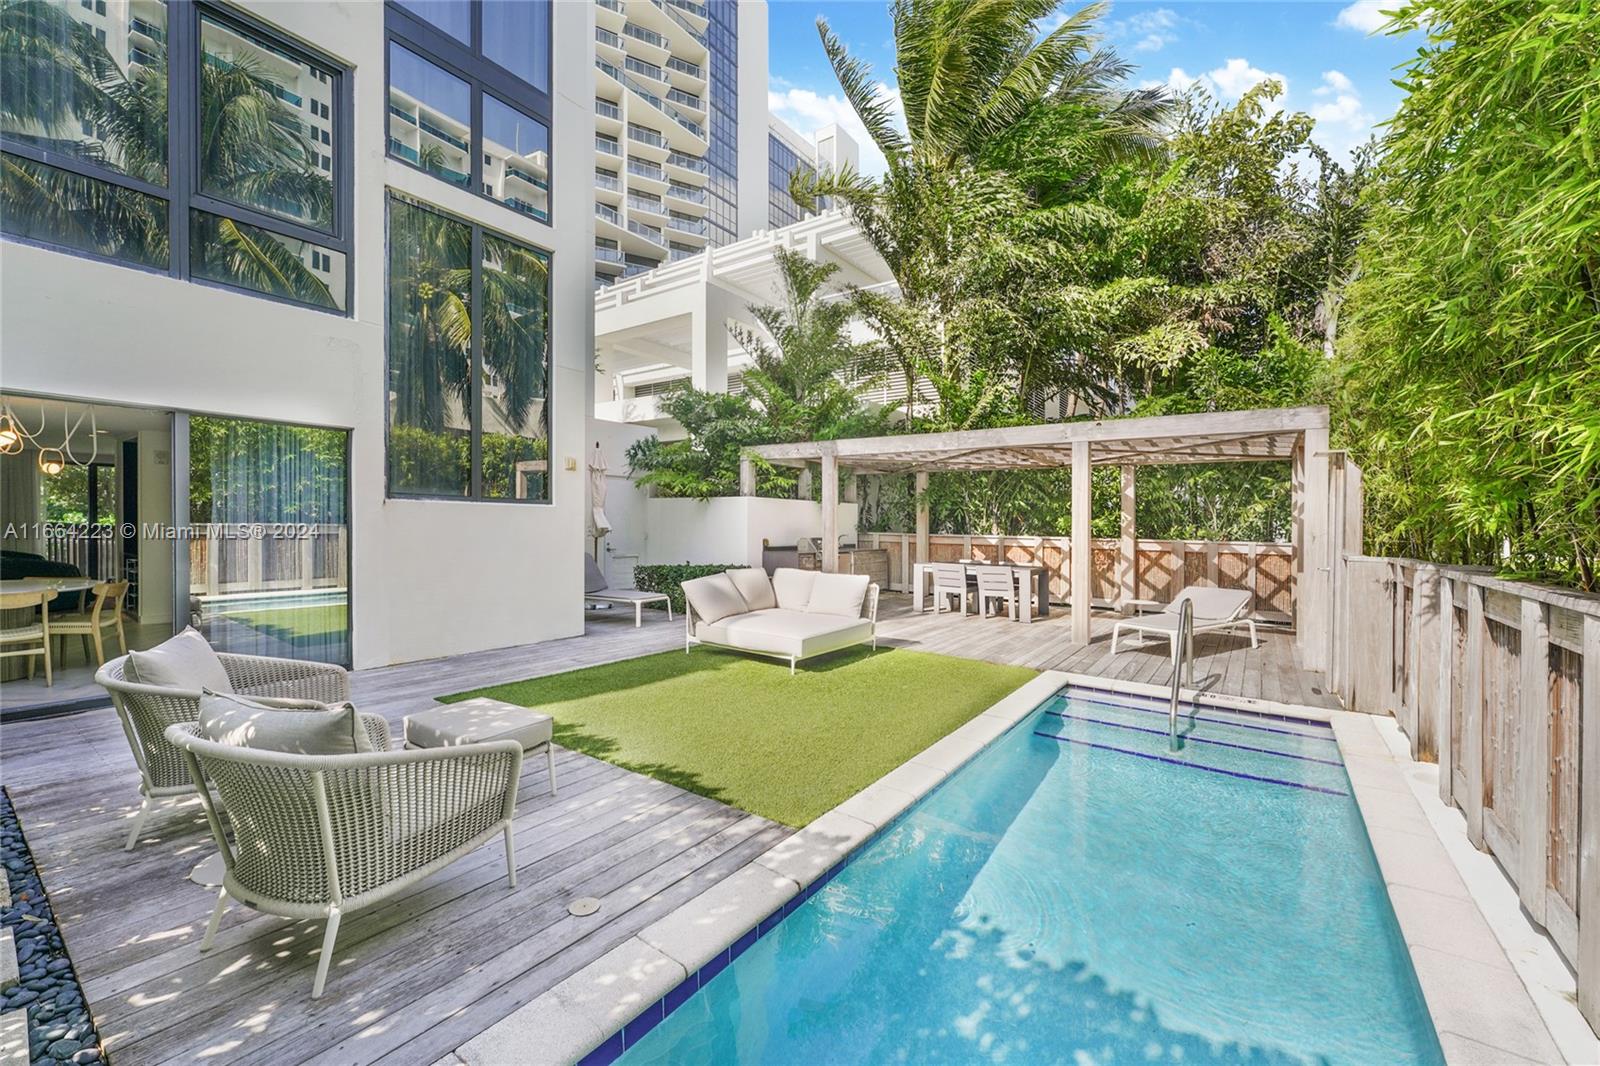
(52, 460)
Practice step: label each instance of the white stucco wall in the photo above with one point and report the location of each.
(730, 529)
(429, 578)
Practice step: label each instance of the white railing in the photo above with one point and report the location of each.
(1499, 683)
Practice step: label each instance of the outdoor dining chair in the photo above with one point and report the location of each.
(996, 583)
(949, 579)
(103, 615)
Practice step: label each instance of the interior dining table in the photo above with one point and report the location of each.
(1033, 581)
(18, 667)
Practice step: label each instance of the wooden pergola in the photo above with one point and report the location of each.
(1298, 435)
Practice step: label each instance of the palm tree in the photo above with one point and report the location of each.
(985, 196)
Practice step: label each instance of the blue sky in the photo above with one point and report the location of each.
(1336, 69)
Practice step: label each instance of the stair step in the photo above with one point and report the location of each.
(14, 1037)
(9, 974)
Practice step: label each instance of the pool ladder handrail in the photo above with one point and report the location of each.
(1182, 666)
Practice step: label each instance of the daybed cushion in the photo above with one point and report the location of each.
(838, 594)
(792, 587)
(309, 728)
(714, 597)
(754, 586)
(777, 631)
(476, 721)
(185, 661)
(1211, 603)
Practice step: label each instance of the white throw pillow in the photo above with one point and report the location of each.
(793, 587)
(714, 597)
(185, 662)
(300, 727)
(840, 594)
(754, 586)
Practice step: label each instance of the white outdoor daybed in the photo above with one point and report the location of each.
(1215, 610)
(793, 615)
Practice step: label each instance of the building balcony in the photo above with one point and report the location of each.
(687, 193)
(607, 182)
(644, 135)
(404, 151)
(696, 226)
(608, 213)
(606, 109)
(640, 168)
(687, 162)
(643, 69)
(607, 38)
(650, 37)
(640, 203)
(530, 179)
(608, 255)
(686, 99)
(147, 29)
(517, 204)
(650, 233)
(402, 114)
(607, 146)
(442, 134)
(683, 66)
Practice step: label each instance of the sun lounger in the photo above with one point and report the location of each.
(595, 591)
(1215, 610)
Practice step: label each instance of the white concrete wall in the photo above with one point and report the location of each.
(730, 529)
(429, 578)
(752, 116)
(155, 506)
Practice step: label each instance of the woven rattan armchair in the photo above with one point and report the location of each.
(147, 710)
(321, 836)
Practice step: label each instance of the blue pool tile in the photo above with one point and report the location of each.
(742, 944)
(714, 967)
(605, 1054)
(635, 1030)
(678, 996)
(769, 923)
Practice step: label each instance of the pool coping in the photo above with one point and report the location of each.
(1480, 1007)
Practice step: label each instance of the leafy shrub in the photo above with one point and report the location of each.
(669, 577)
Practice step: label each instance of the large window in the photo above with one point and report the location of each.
(469, 96)
(469, 360)
(240, 179)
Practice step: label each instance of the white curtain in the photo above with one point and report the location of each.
(19, 502)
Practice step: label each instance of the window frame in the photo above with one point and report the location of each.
(466, 61)
(182, 194)
(478, 230)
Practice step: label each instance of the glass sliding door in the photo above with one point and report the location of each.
(269, 544)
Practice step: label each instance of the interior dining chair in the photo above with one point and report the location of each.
(33, 636)
(105, 613)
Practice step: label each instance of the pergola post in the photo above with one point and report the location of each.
(1128, 543)
(920, 483)
(1082, 548)
(802, 489)
(747, 476)
(830, 512)
(1319, 567)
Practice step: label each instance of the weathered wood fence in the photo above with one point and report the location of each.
(1499, 683)
(227, 558)
(1162, 568)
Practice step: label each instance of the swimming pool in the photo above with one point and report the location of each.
(1079, 893)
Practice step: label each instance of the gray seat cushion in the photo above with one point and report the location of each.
(475, 721)
(300, 727)
(778, 631)
(185, 661)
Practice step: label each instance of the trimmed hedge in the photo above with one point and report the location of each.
(669, 577)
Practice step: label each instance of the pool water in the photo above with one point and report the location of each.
(1079, 893)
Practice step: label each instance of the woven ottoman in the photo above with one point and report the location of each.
(481, 719)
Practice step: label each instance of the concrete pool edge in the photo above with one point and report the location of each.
(1481, 1007)
(592, 1008)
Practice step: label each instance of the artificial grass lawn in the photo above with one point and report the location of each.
(741, 730)
(296, 624)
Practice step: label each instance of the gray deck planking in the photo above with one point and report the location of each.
(422, 974)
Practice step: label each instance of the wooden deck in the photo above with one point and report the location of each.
(420, 975)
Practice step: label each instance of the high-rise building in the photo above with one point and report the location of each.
(829, 150)
(676, 82)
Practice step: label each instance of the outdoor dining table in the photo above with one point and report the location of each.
(1035, 593)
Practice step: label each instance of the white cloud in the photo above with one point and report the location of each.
(1333, 81)
(1237, 77)
(808, 111)
(1363, 16)
(1150, 31)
